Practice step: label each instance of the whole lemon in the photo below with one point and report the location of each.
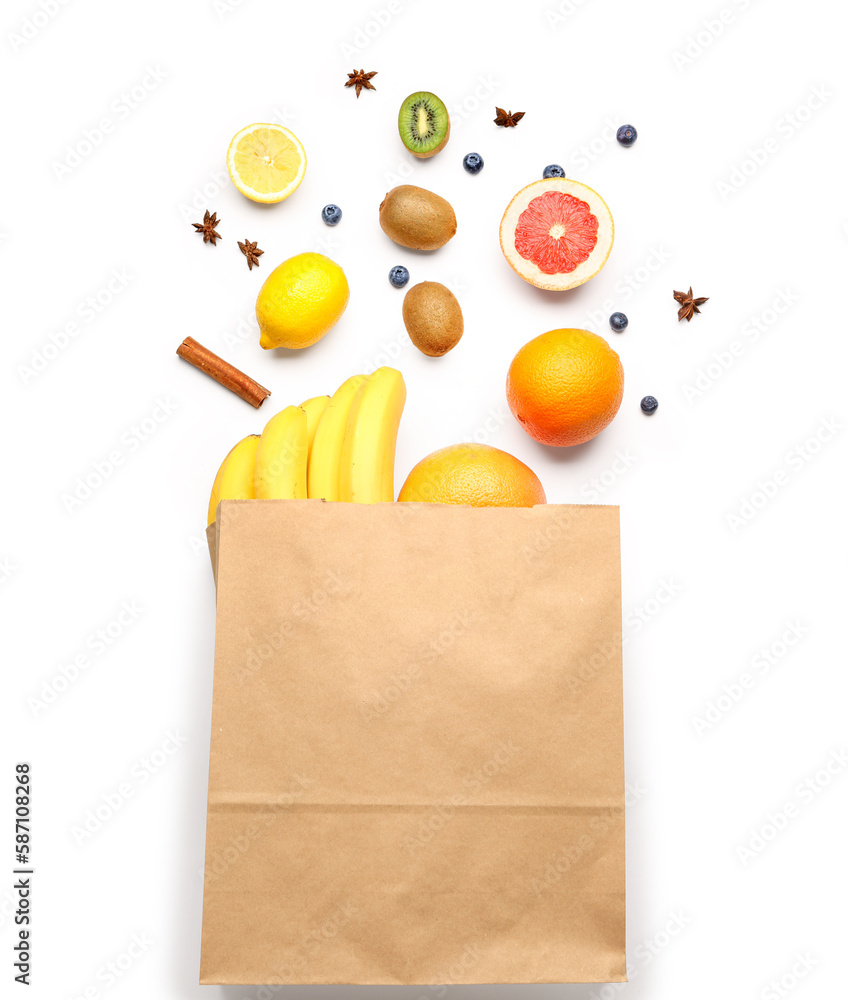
(300, 300)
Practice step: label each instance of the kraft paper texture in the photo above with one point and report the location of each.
(416, 771)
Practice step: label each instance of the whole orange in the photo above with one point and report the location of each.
(565, 386)
(473, 474)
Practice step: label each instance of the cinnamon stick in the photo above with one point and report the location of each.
(222, 371)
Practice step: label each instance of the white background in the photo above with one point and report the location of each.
(702, 93)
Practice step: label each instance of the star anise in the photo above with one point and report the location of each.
(688, 305)
(251, 252)
(506, 119)
(359, 79)
(207, 227)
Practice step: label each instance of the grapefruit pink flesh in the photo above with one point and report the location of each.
(557, 232)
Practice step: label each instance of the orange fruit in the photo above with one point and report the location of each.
(565, 386)
(473, 474)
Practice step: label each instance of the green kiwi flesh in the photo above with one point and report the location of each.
(424, 124)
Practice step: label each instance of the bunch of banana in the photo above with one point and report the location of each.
(339, 447)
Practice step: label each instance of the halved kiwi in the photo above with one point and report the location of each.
(424, 124)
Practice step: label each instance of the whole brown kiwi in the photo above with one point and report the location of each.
(417, 218)
(432, 318)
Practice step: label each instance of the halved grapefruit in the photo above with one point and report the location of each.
(557, 233)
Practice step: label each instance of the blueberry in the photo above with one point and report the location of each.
(331, 214)
(553, 170)
(473, 163)
(399, 276)
(626, 135)
(618, 321)
(649, 404)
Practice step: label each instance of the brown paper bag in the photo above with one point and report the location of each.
(416, 770)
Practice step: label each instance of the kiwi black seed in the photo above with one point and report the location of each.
(424, 124)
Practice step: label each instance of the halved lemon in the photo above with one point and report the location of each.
(266, 162)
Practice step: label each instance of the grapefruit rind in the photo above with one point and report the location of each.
(531, 271)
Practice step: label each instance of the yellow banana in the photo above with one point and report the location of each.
(237, 475)
(323, 476)
(281, 457)
(366, 470)
(213, 497)
(314, 410)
